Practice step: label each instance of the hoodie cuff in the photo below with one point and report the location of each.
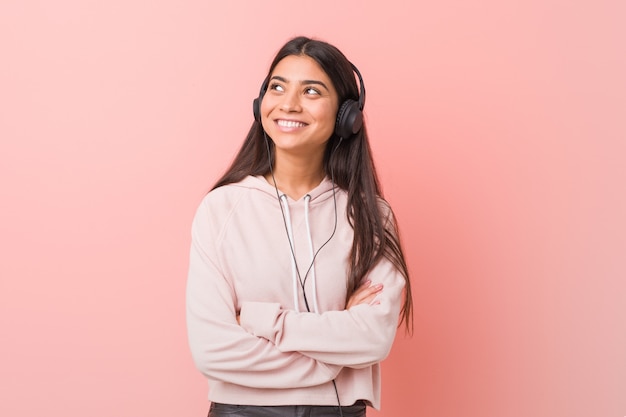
(258, 318)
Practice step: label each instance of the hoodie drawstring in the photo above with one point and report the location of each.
(294, 268)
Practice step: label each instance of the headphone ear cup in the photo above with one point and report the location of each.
(349, 119)
(256, 109)
(256, 103)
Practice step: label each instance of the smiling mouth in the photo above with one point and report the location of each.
(289, 123)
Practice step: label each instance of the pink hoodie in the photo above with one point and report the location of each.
(281, 354)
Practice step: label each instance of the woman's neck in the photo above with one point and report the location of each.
(296, 177)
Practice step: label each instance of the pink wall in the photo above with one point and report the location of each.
(499, 130)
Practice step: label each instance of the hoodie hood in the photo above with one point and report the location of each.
(318, 194)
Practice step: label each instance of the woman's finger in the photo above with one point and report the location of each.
(365, 294)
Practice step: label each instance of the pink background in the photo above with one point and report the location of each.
(499, 130)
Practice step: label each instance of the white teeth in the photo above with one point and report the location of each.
(290, 123)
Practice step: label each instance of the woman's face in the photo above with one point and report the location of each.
(299, 108)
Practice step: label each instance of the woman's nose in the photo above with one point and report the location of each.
(291, 102)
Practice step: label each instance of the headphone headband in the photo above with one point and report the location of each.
(361, 87)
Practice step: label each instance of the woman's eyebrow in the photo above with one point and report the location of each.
(303, 82)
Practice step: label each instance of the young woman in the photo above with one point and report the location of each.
(297, 280)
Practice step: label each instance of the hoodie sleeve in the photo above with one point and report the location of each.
(358, 337)
(221, 349)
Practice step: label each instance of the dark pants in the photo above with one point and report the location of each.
(230, 410)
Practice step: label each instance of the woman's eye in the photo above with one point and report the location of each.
(277, 87)
(312, 90)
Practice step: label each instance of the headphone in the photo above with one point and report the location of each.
(349, 116)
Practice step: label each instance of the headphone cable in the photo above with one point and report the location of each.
(302, 282)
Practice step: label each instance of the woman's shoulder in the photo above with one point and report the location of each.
(217, 207)
(236, 189)
(387, 213)
(226, 197)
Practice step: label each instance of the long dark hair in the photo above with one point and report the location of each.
(375, 232)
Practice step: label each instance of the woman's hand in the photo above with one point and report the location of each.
(365, 294)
